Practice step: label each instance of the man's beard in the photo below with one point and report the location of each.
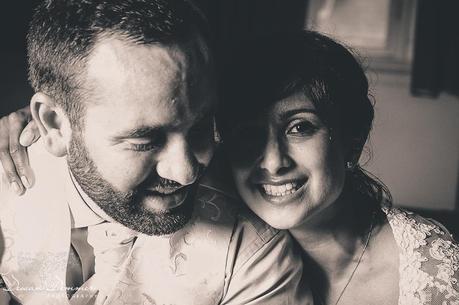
(124, 207)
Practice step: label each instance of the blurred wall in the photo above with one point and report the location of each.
(15, 91)
(415, 143)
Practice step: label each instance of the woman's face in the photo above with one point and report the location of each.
(286, 164)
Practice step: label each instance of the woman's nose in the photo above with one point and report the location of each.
(275, 157)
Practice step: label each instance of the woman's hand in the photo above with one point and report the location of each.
(17, 132)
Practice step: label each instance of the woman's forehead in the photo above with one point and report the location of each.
(290, 105)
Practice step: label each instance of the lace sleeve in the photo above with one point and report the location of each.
(429, 260)
(442, 264)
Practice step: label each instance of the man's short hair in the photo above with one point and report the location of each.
(62, 34)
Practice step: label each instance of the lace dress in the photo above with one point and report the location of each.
(429, 260)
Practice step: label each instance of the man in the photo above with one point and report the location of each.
(124, 105)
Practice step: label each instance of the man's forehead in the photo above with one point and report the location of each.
(119, 63)
(191, 53)
(145, 85)
(114, 58)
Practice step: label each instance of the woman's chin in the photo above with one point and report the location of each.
(280, 217)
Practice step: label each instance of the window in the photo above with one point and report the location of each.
(381, 30)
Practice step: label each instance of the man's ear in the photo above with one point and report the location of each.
(52, 123)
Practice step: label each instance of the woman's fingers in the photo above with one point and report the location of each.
(29, 135)
(17, 121)
(5, 157)
(13, 155)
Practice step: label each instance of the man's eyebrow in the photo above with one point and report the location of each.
(151, 131)
(141, 132)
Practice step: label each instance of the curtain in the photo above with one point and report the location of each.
(436, 54)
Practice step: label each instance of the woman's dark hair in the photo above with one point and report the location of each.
(263, 70)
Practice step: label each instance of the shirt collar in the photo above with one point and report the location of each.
(84, 211)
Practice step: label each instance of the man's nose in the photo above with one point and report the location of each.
(178, 162)
(274, 158)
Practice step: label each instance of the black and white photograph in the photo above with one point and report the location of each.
(229, 152)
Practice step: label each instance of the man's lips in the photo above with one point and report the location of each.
(163, 199)
(166, 191)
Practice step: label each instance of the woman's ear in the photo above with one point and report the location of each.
(52, 123)
(355, 151)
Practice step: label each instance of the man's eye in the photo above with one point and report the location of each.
(142, 147)
(301, 129)
(143, 144)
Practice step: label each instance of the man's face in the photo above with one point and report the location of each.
(147, 133)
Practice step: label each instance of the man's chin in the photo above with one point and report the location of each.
(158, 223)
(163, 203)
(158, 216)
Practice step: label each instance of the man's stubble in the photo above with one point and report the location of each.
(124, 207)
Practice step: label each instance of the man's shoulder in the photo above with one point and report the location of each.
(47, 170)
(34, 222)
(249, 233)
(228, 207)
(251, 250)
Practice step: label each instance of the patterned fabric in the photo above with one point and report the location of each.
(429, 260)
(112, 243)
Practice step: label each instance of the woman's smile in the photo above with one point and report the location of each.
(282, 192)
(298, 169)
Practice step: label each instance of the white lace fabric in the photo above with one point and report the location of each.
(429, 260)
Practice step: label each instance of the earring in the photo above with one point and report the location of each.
(217, 137)
(350, 165)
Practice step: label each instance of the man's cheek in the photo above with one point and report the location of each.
(125, 174)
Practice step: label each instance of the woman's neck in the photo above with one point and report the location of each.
(333, 238)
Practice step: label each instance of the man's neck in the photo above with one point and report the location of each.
(84, 210)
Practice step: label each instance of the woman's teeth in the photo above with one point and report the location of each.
(281, 190)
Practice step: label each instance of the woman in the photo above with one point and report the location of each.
(295, 119)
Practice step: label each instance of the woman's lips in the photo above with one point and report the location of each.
(281, 192)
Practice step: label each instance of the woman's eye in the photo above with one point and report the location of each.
(301, 129)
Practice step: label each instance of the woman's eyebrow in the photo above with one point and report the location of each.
(290, 112)
(205, 113)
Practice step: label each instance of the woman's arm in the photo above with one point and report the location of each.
(17, 131)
